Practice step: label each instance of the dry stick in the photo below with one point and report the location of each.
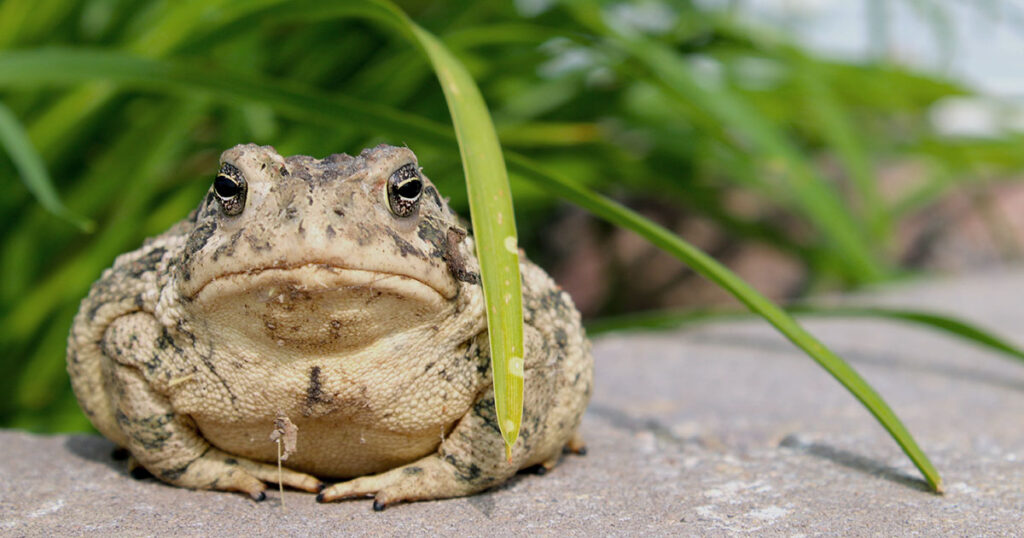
(283, 429)
(280, 476)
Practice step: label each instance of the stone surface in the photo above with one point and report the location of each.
(716, 430)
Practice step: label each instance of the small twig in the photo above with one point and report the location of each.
(284, 429)
(280, 474)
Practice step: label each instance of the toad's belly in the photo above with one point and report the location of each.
(326, 448)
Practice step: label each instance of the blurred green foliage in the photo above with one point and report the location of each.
(692, 107)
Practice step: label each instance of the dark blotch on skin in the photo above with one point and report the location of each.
(404, 247)
(412, 470)
(561, 338)
(315, 392)
(455, 260)
(431, 192)
(467, 472)
(147, 263)
(432, 235)
(227, 249)
(198, 238)
(485, 410)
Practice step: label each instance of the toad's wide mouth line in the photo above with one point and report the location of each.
(359, 278)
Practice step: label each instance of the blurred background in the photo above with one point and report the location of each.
(812, 145)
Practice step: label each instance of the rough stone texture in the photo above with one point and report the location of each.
(718, 430)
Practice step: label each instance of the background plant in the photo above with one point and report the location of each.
(695, 110)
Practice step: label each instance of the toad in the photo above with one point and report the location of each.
(341, 294)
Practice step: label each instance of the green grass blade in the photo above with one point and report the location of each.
(32, 170)
(751, 298)
(61, 66)
(818, 201)
(839, 131)
(656, 320)
(669, 319)
(34, 67)
(947, 324)
(494, 226)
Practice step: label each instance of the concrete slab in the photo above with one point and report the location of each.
(719, 430)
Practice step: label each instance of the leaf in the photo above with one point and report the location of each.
(819, 202)
(668, 319)
(494, 229)
(757, 303)
(947, 324)
(32, 170)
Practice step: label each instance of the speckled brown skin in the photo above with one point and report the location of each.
(315, 300)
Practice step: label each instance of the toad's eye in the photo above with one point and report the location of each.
(404, 189)
(230, 188)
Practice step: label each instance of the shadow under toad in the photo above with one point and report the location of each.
(855, 462)
(94, 448)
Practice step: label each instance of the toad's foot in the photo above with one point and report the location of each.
(221, 471)
(428, 478)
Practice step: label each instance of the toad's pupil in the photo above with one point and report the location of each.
(225, 187)
(411, 189)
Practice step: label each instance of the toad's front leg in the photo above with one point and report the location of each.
(168, 446)
(167, 443)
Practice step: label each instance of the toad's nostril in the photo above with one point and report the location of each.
(339, 211)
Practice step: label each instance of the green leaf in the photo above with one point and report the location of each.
(668, 319)
(32, 170)
(947, 324)
(751, 298)
(494, 228)
(841, 134)
(818, 200)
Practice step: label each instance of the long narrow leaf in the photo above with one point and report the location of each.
(494, 227)
(757, 303)
(668, 319)
(819, 201)
(32, 170)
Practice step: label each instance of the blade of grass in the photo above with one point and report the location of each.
(947, 324)
(32, 169)
(69, 281)
(494, 225)
(840, 133)
(35, 67)
(669, 319)
(751, 298)
(818, 200)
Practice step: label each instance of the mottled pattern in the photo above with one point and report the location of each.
(318, 304)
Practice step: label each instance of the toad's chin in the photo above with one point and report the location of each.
(316, 308)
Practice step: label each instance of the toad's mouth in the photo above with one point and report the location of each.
(315, 307)
(279, 281)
